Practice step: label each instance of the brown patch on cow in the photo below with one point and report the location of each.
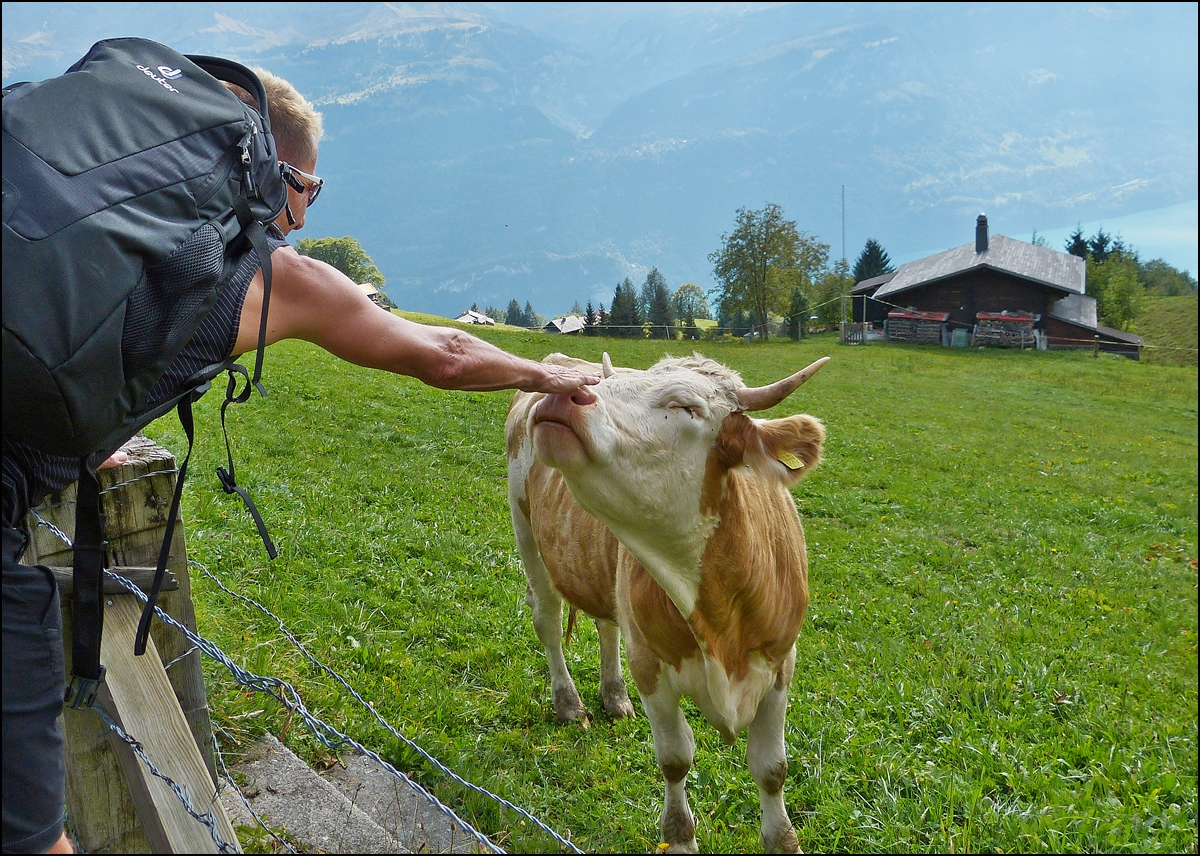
(572, 616)
(678, 828)
(728, 452)
(775, 778)
(674, 771)
(785, 842)
(577, 549)
(801, 435)
(754, 583)
(663, 630)
(523, 504)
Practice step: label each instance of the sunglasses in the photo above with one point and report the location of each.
(301, 181)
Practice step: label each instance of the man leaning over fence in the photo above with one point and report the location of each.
(309, 300)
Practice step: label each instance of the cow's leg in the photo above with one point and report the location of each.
(612, 683)
(674, 748)
(767, 757)
(546, 604)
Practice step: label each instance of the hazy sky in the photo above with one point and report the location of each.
(1129, 70)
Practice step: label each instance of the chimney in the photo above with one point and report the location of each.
(981, 241)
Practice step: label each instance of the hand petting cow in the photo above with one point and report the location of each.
(654, 504)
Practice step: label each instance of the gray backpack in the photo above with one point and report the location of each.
(133, 186)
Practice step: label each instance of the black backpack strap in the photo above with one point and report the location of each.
(87, 601)
(164, 553)
(257, 236)
(229, 477)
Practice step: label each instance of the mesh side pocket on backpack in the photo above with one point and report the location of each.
(162, 307)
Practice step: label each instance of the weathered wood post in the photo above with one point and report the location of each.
(104, 811)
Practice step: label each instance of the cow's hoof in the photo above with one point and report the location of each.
(568, 707)
(679, 831)
(616, 701)
(785, 842)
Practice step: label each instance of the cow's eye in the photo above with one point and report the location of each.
(691, 411)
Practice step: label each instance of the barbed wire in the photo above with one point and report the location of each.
(371, 709)
(290, 698)
(329, 736)
(180, 791)
(229, 778)
(293, 702)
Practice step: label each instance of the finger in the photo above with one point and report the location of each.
(114, 460)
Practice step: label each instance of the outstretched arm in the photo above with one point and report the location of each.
(314, 301)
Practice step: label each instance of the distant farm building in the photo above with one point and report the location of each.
(373, 293)
(473, 317)
(565, 325)
(994, 292)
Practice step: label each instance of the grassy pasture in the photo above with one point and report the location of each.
(1168, 325)
(1000, 653)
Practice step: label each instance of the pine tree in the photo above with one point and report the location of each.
(659, 311)
(1076, 244)
(1099, 246)
(513, 315)
(529, 317)
(872, 261)
(589, 320)
(623, 317)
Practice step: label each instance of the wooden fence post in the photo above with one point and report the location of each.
(103, 810)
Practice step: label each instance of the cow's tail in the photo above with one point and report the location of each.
(572, 614)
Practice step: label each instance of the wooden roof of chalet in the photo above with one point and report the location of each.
(1051, 268)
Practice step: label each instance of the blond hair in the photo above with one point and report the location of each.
(296, 125)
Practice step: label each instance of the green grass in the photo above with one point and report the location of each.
(1000, 654)
(1169, 326)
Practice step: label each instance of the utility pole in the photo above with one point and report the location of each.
(843, 289)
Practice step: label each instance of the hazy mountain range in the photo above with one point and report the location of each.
(543, 151)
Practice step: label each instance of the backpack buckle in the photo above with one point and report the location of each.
(227, 481)
(81, 692)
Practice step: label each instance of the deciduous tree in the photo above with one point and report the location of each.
(345, 254)
(1163, 280)
(689, 301)
(1114, 284)
(762, 261)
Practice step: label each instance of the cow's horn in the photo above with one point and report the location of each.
(766, 397)
(606, 366)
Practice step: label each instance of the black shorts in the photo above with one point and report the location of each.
(34, 767)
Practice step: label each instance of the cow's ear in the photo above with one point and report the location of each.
(785, 449)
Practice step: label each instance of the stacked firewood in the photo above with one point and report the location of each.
(914, 330)
(995, 331)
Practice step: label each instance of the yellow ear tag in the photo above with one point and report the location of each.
(790, 461)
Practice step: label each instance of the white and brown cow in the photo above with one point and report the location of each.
(653, 503)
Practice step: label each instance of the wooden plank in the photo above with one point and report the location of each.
(137, 517)
(136, 495)
(100, 811)
(143, 578)
(139, 698)
(136, 499)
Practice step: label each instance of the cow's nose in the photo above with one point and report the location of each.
(582, 397)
